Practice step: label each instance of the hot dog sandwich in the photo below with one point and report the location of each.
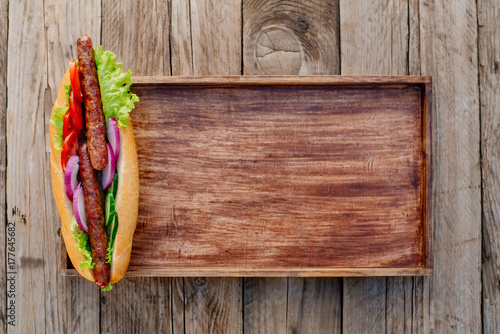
(95, 175)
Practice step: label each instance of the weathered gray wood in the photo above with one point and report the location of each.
(375, 41)
(181, 38)
(281, 37)
(448, 35)
(265, 305)
(77, 300)
(3, 162)
(28, 172)
(314, 305)
(374, 37)
(212, 305)
(364, 305)
(285, 37)
(177, 302)
(137, 305)
(138, 32)
(489, 76)
(215, 37)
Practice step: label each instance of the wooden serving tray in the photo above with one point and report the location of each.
(282, 176)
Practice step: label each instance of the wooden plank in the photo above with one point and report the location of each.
(137, 305)
(489, 76)
(27, 209)
(448, 35)
(214, 40)
(265, 305)
(290, 38)
(76, 300)
(282, 80)
(382, 30)
(181, 39)
(138, 32)
(216, 37)
(3, 165)
(212, 305)
(364, 305)
(314, 305)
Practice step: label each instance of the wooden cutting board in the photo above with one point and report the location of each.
(282, 176)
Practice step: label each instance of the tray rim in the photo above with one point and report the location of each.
(425, 83)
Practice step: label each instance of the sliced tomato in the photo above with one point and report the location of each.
(75, 110)
(74, 77)
(67, 124)
(69, 147)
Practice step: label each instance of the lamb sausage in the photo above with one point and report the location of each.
(94, 117)
(94, 213)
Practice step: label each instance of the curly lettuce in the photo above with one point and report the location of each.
(107, 287)
(117, 101)
(58, 118)
(83, 245)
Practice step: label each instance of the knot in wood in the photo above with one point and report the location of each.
(200, 281)
(278, 51)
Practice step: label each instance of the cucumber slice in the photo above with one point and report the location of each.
(114, 186)
(111, 231)
(110, 208)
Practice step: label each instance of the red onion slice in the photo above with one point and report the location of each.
(79, 208)
(114, 136)
(109, 171)
(70, 175)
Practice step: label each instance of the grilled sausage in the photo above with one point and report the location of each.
(94, 117)
(95, 217)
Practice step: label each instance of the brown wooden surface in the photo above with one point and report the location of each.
(275, 177)
(454, 41)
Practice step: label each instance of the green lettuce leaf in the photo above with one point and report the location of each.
(107, 287)
(83, 245)
(58, 118)
(111, 219)
(114, 84)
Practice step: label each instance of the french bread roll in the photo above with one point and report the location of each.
(127, 199)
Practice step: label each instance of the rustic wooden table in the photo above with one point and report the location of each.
(456, 42)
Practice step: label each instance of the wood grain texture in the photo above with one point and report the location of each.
(3, 162)
(265, 305)
(285, 37)
(226, 173)
(290, 37)
(489, 76)
(26, 76)
(138, 32)
(137, 305)
(314, 305)
(77, 300)
(375, 41)
(212, 305)
(214, 39)
(364, 305)
(181, 38)
(448, 35)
